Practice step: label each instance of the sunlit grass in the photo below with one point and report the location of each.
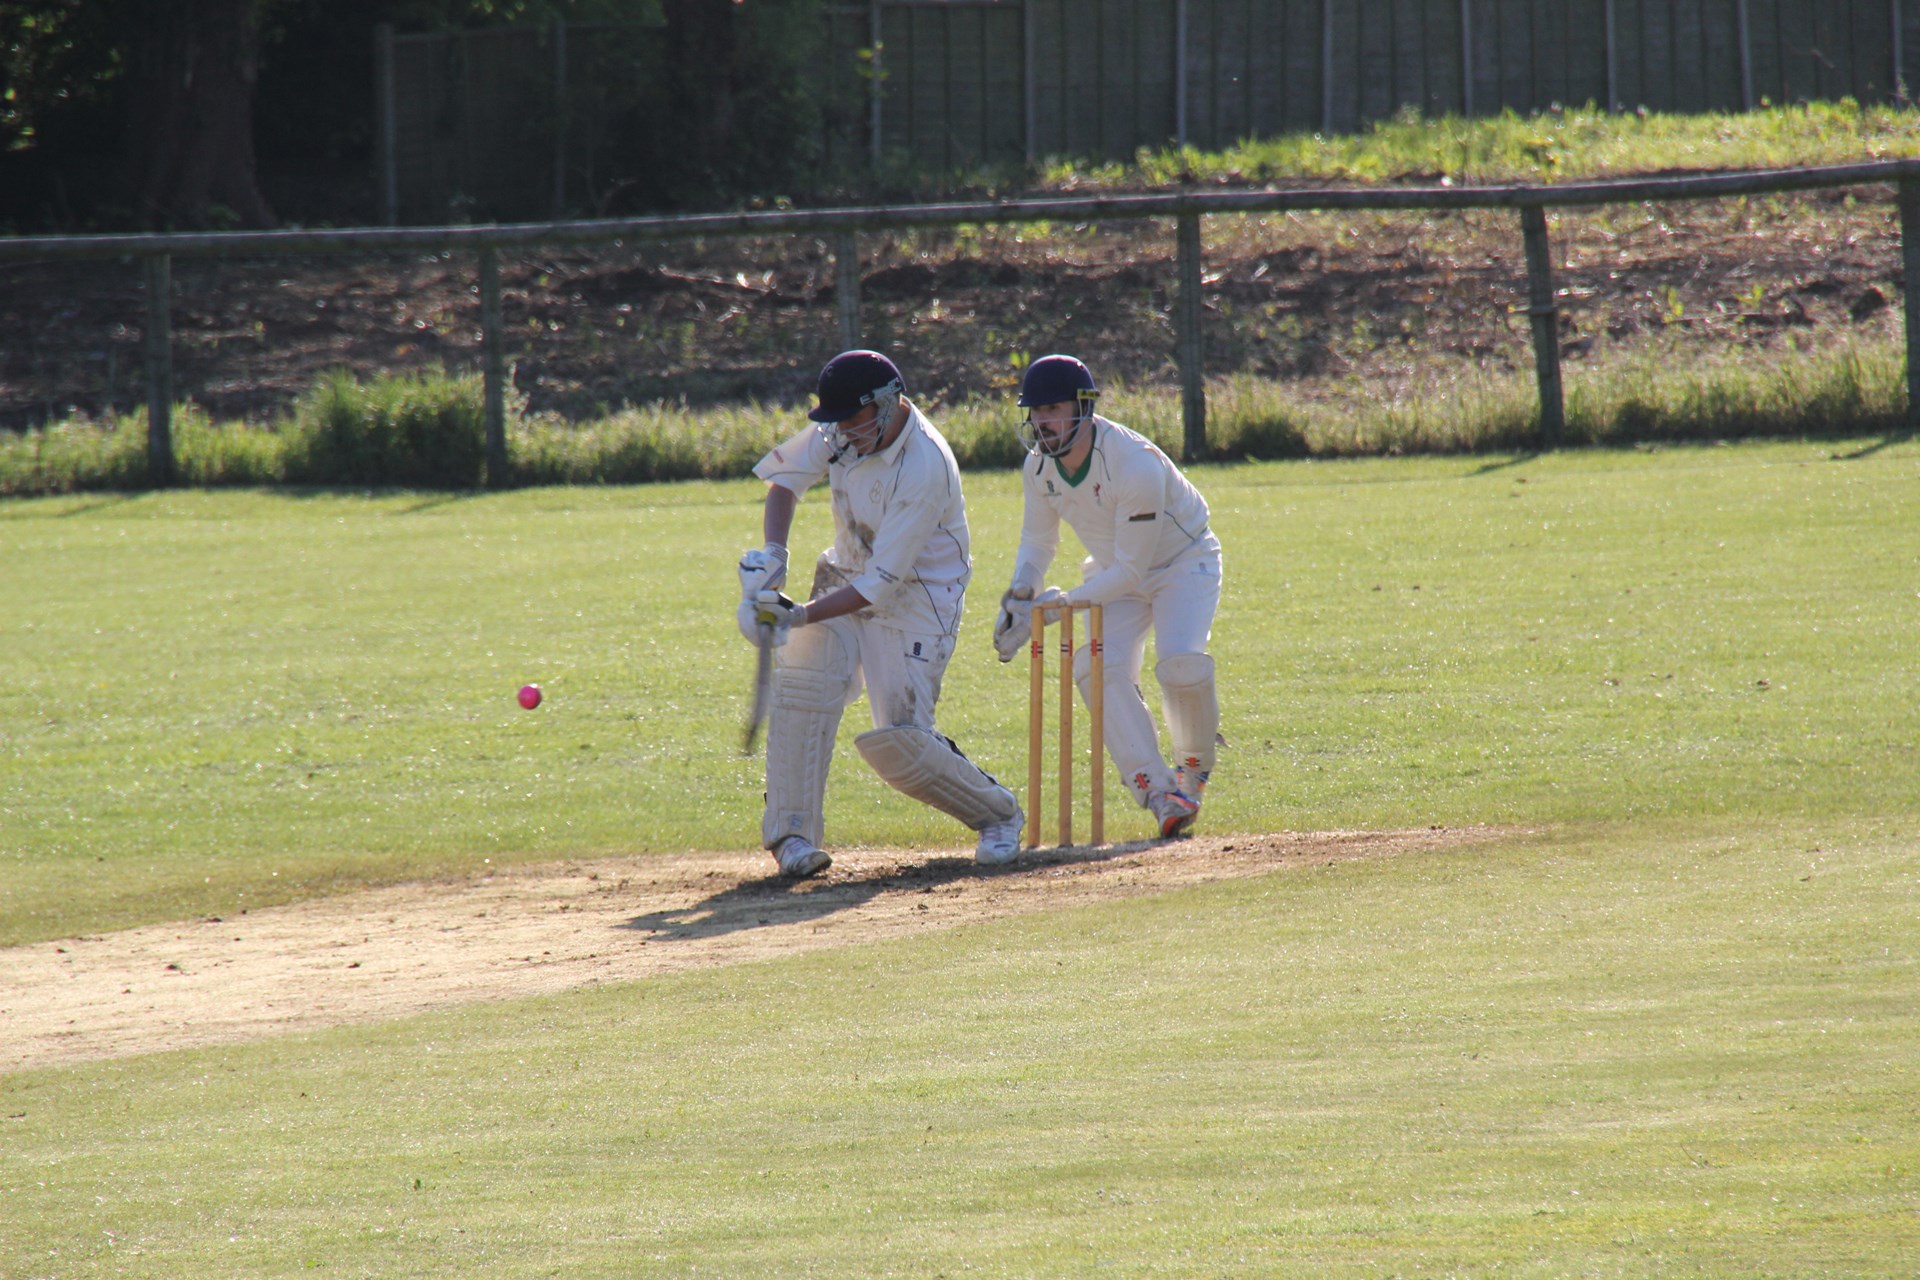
(1665, 1049)
(1548, 146)
(231, 698)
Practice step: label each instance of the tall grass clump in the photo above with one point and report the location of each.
(647, 443)
(111, 453)
(212, 455)
(1671, 395)
(430, 433)
(984, 433)
(74, 456)
(426, 432)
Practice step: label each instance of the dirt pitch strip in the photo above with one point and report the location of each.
(411, 948)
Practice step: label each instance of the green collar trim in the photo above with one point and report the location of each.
(1073, 481)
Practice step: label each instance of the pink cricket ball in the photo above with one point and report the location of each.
(529, 696)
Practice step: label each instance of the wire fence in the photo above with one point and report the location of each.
(1186, 211)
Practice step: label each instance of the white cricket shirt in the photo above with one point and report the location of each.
(1133, 510)
(899, 521)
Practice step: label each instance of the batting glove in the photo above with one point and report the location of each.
(762, 570)
(774, 610)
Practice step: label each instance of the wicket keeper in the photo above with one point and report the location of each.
(1152, 562)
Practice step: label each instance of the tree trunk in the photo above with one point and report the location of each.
(191, 67)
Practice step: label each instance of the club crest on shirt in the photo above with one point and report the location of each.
(1051, 491)
(873, 494)
(1096, 492)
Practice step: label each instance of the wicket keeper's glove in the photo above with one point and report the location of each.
(1014, 627)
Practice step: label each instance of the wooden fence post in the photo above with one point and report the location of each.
(1897, 88)
(1192, 347)
(1743, 32)
(1545, 313)
(493, 367)
(387, 150)
(1466, 57)
(875, 87)
(1326, 66)
(1030, 106)
(159, 271)
(560, 105)
(1613, 65)
(1180, 86)
(846, 287)
(1910, 257)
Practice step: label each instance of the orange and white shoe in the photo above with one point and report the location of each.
(1174, 811)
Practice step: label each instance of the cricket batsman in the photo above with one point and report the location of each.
(884, 611)
(1152, 562)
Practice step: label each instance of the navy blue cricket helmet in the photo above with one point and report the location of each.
(853, 380)
(1058, 380)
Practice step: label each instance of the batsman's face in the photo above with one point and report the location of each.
(863, 430)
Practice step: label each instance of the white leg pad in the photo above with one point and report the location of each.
(1132, 741)
(922, 764)
(1192, 707)
(810, 688)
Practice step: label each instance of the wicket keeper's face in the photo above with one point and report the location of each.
(1055, 422)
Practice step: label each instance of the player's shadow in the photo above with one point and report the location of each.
(1866, 451)
(1502, 464)
(775, 900)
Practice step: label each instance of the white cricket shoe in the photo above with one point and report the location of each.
(798, 857)
(1174, 811)
(1000, 841)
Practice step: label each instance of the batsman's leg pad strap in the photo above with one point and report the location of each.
(1132, 741)
(809, 696)
(928, 767)
(1192, 707)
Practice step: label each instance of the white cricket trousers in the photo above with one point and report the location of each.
(1177, 604)
(818, 673)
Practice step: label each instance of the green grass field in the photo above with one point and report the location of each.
(1665, 1026)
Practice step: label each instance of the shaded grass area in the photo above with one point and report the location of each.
(429, 430)
(1675, 1048)
(226, 699)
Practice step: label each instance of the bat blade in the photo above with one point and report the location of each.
(762, 689)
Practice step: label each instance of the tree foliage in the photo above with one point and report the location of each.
(151, 112)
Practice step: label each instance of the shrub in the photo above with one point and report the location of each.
(413, 432)
(73, 456)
